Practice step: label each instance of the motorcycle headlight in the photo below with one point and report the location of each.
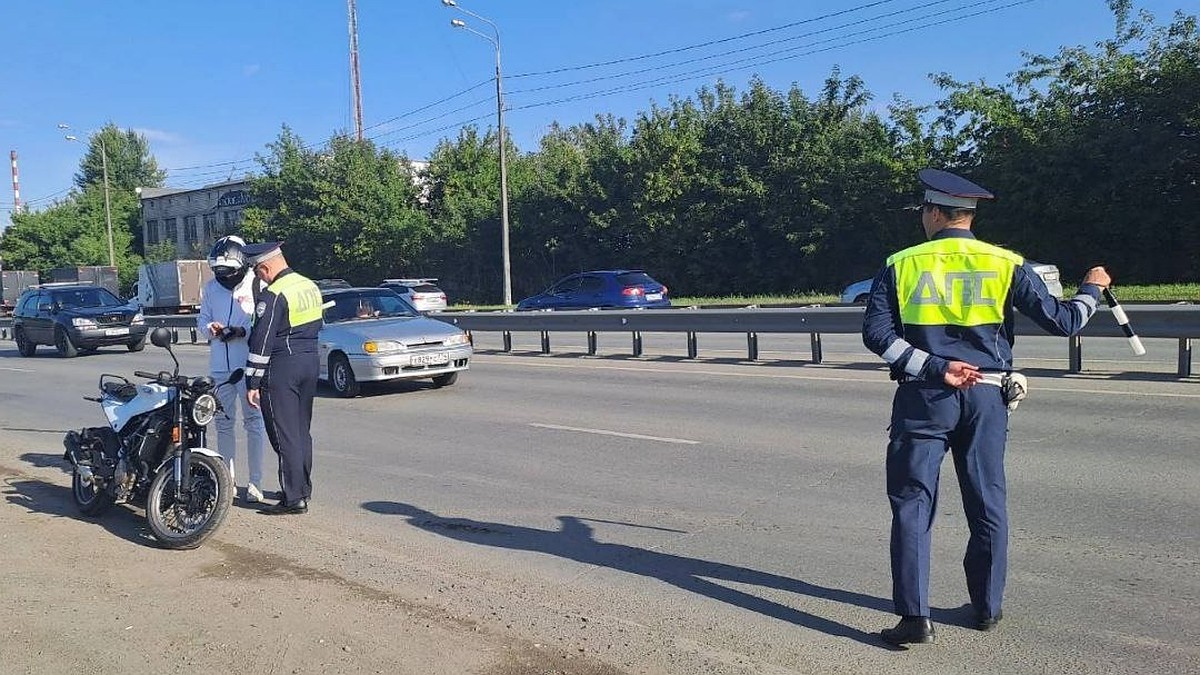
(382, 346)
(204, 409)
(83, 323)
(455, 340)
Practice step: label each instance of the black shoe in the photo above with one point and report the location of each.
(910, 630)
(988, 622)
(285, 509)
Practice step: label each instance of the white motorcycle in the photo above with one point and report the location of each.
(154, 448)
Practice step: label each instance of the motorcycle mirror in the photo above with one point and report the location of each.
(160, 337)
(236, 376)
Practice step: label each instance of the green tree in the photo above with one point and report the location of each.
(350, 210)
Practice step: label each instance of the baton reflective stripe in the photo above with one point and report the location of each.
(1135, 343)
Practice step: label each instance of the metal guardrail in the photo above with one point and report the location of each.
(1180, 322)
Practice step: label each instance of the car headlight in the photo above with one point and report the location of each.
(204, 409)
(138, 319)
(83, 323)
(383, 346)
(455, 340)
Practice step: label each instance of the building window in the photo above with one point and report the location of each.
(232, 218)
(210, 226)
(151, 232)
(171, 234)
(189, 229)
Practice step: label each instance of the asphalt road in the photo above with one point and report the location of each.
(666, 515)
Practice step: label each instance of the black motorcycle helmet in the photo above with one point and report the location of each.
(228, 262)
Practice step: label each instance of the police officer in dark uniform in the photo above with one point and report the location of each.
(282, 369)
(941, 315)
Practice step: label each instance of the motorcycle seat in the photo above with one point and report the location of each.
(121, 391)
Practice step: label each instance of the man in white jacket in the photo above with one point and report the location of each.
(226, 312)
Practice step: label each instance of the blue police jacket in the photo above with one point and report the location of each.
(903, 326)
(287, 319)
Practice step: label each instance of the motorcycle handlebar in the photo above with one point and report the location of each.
(148, 376)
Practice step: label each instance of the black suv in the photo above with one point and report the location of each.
(74, 318)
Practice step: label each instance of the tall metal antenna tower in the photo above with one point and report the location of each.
(354, 79)
(12, 155)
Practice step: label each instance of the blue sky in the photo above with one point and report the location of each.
(210, 83)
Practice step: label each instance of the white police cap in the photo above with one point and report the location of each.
(259, 253)
(947, 189)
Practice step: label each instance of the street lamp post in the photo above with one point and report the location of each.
(112, 257)
(459, 23)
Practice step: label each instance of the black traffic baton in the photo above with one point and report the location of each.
(1135, 343)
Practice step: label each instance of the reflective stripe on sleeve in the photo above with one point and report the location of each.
(1086, 305)
(258, 358)
(896, 350)
(916, 362)
(255, 372)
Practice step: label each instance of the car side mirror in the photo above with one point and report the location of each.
(46, 307)
(160, 337)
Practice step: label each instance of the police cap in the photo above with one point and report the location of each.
(259, 253)
(947, 189)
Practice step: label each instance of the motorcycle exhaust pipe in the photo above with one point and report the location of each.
(72, 442)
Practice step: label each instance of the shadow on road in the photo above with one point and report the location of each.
(39, 496)
(575, 541)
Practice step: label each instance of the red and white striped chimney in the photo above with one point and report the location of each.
(16, 182)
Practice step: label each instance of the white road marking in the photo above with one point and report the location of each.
(18, 370)
(605, 432)
(882, 379)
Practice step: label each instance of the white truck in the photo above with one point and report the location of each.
(172, 287)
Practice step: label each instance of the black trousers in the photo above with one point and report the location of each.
(927, 420)
(287, 394)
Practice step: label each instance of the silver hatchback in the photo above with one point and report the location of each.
(373, 335)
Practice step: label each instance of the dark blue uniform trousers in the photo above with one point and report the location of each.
(928, 418)
(287, 403)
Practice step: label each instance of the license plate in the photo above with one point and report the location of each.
(113, 332)
(430, 359)
(654, 296)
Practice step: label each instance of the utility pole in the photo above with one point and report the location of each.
(354, 79)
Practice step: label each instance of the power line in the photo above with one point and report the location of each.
(732, 67)
(741, 50)
(701, 45)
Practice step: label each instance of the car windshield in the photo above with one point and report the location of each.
(86, 297)
(366, 305)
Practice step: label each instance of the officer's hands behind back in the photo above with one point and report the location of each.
(961, 375)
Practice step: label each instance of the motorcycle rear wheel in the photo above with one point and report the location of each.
(187, 524)
(89, 501)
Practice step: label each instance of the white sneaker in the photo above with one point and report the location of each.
(253, 494)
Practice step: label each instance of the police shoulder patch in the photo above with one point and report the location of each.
(260, 309)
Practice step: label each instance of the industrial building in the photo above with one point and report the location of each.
(192, 219)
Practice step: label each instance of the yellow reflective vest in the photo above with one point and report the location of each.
(953, 282)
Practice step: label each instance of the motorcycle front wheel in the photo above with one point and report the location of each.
(91, 502)
(188, 522)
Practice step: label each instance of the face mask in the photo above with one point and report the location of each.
(230, 279)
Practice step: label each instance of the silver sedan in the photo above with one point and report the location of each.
(373, 334)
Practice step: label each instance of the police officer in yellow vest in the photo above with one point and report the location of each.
(941, 315)
(282, 369)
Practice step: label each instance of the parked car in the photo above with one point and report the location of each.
(857, 292)
(373, 334)
(331, 283)
(628, 289)
(420, 293)
(75, 317)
